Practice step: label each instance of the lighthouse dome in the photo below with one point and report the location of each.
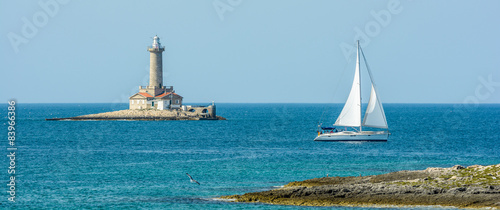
(156, 42)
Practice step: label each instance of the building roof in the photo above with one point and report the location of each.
(163, 95)
(166, 94)
(146, 94)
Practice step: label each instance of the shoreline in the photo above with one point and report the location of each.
(472, 187)
(145, 114)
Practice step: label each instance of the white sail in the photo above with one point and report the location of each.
(351, 113)
(374, 115)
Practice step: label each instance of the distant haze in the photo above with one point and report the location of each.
(250, 51)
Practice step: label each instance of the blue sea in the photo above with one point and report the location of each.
(143, 164)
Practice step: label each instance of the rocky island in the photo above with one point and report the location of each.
(472, 187)
(146, 114)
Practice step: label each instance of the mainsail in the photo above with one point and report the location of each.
(351, 113)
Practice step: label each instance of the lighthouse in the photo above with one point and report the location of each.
(155, 95)
(155, 63)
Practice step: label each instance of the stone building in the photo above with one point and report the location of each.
(156, 95)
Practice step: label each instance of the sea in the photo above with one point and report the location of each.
(143, 164)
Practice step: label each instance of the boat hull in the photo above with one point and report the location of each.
(353, 136)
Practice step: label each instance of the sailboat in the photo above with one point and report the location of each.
(349, 126)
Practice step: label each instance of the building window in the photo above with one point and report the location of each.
(131, 101)
(137, 101)
(177, 101)
(152, 103)
(142, 101)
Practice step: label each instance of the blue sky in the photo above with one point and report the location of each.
(250, 51)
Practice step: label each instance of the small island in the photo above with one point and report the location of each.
(472, 187)
(147, 114)
(155, 101)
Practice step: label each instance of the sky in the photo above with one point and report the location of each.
(250, 51)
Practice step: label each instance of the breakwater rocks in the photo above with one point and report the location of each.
(472, 187)
(145, 114)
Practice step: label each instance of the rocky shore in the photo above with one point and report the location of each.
(472, 187)
(144, 114)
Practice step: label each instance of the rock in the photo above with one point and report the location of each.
(396, 188)
(474, 166)
(434, 170)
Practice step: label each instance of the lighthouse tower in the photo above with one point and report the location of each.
(155, 64)
(156, 95)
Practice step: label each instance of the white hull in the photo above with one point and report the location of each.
(354, 136)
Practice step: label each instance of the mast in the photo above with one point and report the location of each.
(359, 82)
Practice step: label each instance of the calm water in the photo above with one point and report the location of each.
(142, 164)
